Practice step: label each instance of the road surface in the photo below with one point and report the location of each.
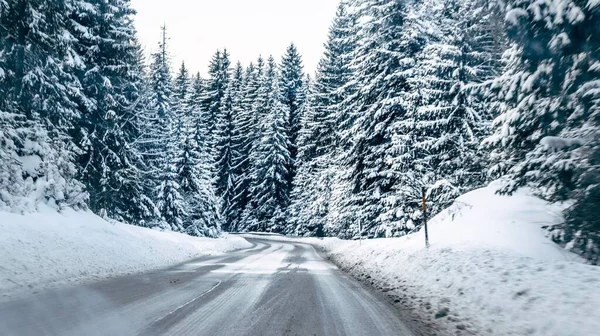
(274, 288)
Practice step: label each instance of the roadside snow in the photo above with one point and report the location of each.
(48, 249)
(490, 270)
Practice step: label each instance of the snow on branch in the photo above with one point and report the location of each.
(558, 143)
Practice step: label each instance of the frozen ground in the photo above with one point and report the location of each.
(47, 249)
(490, 270)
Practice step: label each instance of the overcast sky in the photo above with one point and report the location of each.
(247, 28)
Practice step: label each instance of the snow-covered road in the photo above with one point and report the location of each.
(274, 288)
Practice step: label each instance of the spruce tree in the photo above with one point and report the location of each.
(537, 98)
(450, 122)
(181, 90)
(318, 142)
(198, 182)
(111, 79)
(163, 152)
(40, 90)
(546, 134)
(390, 41)
(270, 185)
(293, 96)
(240, 142)
(246, 135)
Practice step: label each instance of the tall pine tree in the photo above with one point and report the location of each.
(270, 187)
(293, 96)
(39, 94)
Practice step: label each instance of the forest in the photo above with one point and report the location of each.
(446, 95)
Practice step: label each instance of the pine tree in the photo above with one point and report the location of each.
(180, 100)
(112, 82)
(536, 97)
(216, 86)
(199, 188)
(163, 152)
(546, 134)
(383, 63)
(318, 141)
(270, 185)
(240, 147)
(246, 136)
(228, 154)
(11, 183)
(450, 121)
(39, 90)
(293, 96)
(196, 103)
(312, 186)
(195, 186)
(581, 231)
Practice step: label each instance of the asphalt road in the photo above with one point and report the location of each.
(274, 288)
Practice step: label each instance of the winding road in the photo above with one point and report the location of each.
(273, 288)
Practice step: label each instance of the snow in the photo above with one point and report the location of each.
(31, 164)
(558, 143)
(513, 15)
(490, 270)
(49, 249)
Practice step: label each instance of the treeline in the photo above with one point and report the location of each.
(86, 123)
(445, 95)
(448, 95)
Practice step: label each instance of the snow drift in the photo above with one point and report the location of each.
(47, 249)
(490, 270)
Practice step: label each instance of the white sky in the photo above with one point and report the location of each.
(247, 28)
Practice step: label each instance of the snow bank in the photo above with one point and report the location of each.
(47, 249)
(490, 270)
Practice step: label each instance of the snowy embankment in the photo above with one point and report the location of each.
(48, 249)
(490, 270)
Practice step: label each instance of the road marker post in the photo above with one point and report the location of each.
(423, 194)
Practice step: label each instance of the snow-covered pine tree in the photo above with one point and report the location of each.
(582, 228)
(546, 134)
(216, 87)
(293, 96)
(11, 182)
(321, 124)
(385, 58)
(312, 185)
(270, 187)
(535, 96)
(226, 148)
(39, 90)
(137, 188)
(240, 147)
(199, 191)
(181, 90)
(111, 80)
(246, 137)
(548, 128)
(450, 122)
(196, 103)
(163, 152)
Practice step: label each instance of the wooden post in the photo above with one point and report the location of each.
(425, 216)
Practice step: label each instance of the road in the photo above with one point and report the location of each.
(274, 288)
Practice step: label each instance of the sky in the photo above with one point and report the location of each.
(247, 28)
